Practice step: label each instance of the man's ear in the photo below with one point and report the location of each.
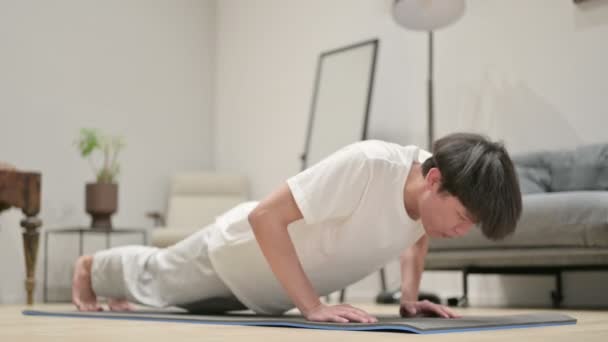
(433, 179)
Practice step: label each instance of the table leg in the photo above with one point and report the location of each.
(80, 243)
(45, 296)
(30, 249)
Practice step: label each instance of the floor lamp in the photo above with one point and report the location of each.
(428, 16)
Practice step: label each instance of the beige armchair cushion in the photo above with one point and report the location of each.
(195, 200)
(164, 236)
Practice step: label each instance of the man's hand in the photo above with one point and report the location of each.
(343, 313)
(425, 308)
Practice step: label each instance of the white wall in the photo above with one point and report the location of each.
(267, 55)
(530, 73)
(143, 69)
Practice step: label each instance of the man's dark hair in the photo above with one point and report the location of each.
(481, 175)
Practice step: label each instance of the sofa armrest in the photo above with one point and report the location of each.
(157, 217)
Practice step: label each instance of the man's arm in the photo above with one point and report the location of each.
(412, 266)
(269, 221)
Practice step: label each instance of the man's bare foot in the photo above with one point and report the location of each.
(120, 305)
(82, 291)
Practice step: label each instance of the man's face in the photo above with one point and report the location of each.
(442, 215)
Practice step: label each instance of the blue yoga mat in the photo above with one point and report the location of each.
(418, 325)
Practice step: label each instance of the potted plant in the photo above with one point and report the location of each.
(101, 196)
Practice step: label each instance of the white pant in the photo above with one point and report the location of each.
(180, 275)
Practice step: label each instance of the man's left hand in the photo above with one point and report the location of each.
(426, 308)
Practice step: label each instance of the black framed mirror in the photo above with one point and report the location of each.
(341, 100)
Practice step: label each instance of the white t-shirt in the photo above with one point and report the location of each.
(354, 222)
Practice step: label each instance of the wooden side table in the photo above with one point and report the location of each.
(22, 190)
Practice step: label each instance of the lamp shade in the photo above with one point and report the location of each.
(427, 15)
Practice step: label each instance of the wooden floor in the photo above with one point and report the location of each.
(592, 326)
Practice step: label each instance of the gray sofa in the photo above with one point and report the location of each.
(564, 224)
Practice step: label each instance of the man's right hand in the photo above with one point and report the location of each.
(343, 313)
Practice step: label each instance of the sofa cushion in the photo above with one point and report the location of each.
(587, 169)
(533, 179)
(584, 168)
(560, 219)
(520, 257)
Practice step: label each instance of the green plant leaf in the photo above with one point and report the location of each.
(91, 140)
(88, 141)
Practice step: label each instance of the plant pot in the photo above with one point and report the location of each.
(101, 204)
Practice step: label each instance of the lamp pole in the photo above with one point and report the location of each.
(428, 16)
(430, 93)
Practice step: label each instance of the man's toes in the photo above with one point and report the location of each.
(120, 305)
(125, 307)
(77, 304)
(87, 306)
(93, 307)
